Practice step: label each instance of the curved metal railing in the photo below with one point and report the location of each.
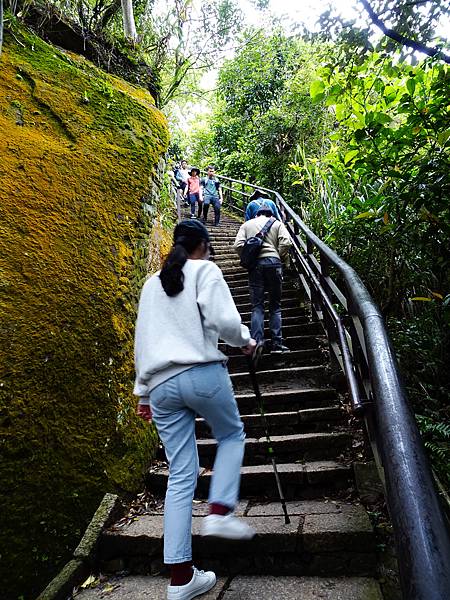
(360, 345)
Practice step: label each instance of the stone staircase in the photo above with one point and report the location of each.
(328, 549)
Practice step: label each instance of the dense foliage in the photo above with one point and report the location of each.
(176, 40)
(380, 196)
(263, 110)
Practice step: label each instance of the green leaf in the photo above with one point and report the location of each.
(340, 111)
(379, 85)
(365, 215)
(359, 134)
(411, 86)
(443, 136)
(421, 299)
(350, 155)
(316, 88)
(382, 118)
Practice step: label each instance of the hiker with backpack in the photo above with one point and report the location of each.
(263, 244)
(212, 194)
(254, 204)
(183, 311)
(193, 192)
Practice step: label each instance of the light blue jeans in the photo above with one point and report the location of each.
(205, 390)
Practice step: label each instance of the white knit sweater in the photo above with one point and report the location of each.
(176, 333)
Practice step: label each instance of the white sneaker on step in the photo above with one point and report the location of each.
(228, 526)
(200, 583)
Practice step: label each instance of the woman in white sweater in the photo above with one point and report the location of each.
(183, 311)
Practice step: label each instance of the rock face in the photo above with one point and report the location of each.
(79, 155)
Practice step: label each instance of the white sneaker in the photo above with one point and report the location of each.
(228, 526)
(200, 583)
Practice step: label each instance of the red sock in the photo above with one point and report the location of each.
(181, 573)
(219, 509)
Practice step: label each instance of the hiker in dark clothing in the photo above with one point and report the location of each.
(267, 276)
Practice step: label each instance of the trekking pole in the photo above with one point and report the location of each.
(252, 370)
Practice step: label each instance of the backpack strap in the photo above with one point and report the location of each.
(265, 230)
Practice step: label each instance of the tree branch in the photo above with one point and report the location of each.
(401, 39)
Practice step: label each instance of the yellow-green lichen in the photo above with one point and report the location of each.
(78, 152)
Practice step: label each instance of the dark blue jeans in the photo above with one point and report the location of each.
(207, 200)
(266, 277)
(193, 198)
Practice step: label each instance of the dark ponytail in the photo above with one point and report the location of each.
(171, 275)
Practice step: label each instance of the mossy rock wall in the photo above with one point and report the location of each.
(79, 151)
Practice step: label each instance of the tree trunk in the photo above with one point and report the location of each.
(129, 25)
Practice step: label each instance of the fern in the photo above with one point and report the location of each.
(436, 428)
(436, 435)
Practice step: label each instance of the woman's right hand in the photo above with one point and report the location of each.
(249, 348)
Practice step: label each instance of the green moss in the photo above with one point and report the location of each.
(75, 169)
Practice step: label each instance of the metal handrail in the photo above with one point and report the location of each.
(360, 344)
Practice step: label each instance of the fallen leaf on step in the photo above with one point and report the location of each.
(91, 581)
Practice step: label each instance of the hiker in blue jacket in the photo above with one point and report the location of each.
(255, 201)
(212, 194)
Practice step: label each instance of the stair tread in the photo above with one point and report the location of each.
(278, 439)
(311, 531)
(283, 393)
(290, 369)
(304, 413)
(301, 468)
(143, 587)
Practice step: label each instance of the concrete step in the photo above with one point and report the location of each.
(233, 271)
(290, 318)
(322, 537)
(241, 276)
(298, 342)
(294, 330)
(290, 377)
(238, 363)
(224, 249)
(219, 233)
(225, 254)
(302, 446)
(227, 263)
(289, 399)
(223, 231)
(240, 587)
(294, 311)
(224, 242)
(284, 423)
(304, 480)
